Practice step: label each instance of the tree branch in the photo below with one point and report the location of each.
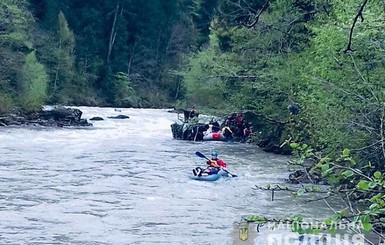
(257, 15)
(233, 77)
(359, 15)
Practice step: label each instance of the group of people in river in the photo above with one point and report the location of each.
(233, 128)
(236, 127)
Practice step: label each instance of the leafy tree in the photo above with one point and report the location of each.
(64, 76)
(203, 78)
(16, 51)
(134, 37)
(32, 83)
(202, 13)
(123, 89)
(294, 61)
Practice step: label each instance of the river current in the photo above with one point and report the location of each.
(127, 182)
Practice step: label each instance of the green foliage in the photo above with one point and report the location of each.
(65, 35)
(292, 54)
(288, 58)
(14, 23)
(63, 83)
(353, 183)
(296, 51)
(122, 87)
(17, 58)
(363, 183)
(113, 37)
(32, 83)
(301, 153)
(6, 104)
(203, 79)
(255, 218)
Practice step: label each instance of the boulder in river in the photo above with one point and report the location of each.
(58, 116)
(96, 119)
(119, 117)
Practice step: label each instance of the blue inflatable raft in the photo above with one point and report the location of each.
(211, 177)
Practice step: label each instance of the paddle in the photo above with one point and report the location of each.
(203, 156)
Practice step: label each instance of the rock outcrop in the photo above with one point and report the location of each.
(57, 117)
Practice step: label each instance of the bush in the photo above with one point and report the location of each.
(6, 104)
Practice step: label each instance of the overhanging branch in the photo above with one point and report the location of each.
(359, 15)
(257, 15)
(233, 77)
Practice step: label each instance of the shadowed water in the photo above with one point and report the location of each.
(126, 182)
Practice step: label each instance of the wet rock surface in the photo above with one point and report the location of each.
(56, 117)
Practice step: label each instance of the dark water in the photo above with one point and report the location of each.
(126, 182)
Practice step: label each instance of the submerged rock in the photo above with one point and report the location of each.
(96, 119)
(119, 117)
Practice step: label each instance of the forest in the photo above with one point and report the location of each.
(324, 58)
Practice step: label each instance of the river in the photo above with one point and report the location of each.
(126, 182)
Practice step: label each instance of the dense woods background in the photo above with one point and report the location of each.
(268, 56)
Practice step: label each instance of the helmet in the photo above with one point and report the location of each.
(214, 154)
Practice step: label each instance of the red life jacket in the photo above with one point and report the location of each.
(239, 120)
(221, 163)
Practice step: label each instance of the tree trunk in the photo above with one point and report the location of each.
(55, 84)
(112, 34)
